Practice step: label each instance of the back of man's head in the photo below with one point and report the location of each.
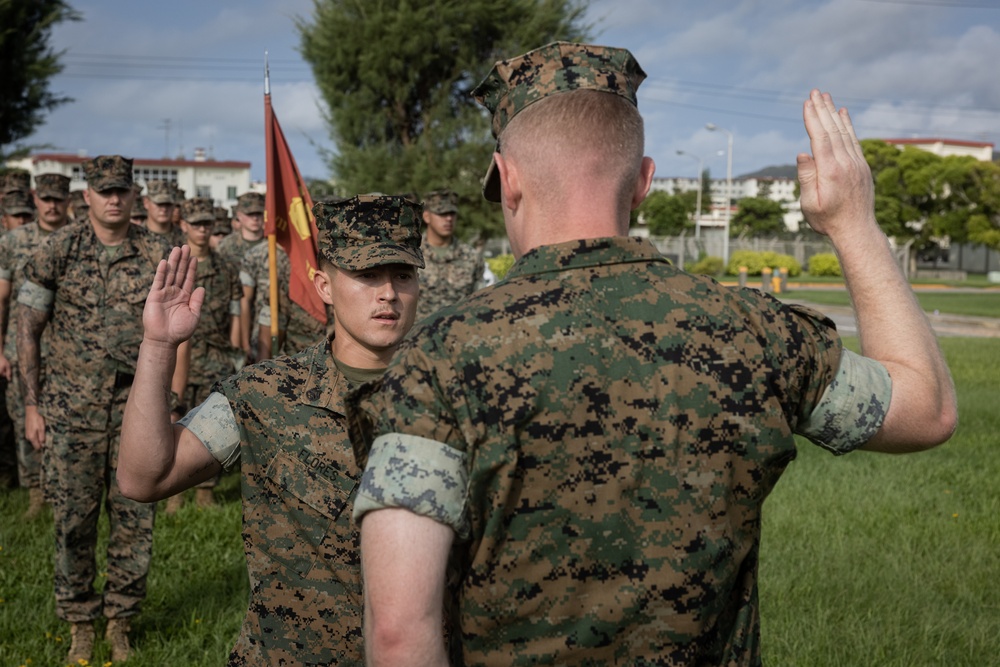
(566, 113)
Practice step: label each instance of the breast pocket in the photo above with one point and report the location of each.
(298, 508)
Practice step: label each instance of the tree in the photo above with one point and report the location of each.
(758, 216)
(929, 199)
(396, 77)
(666, 214)
(28, 63)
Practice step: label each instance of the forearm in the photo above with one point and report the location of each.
(148, 449)
(30, 325)
(894, 330)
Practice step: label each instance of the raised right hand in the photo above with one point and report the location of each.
(173, 305)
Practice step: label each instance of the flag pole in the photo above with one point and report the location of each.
(272, 238)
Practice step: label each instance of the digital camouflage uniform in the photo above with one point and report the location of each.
(15, 252)
(15, 199)
(451, 273)
(600, 431)
(233, 248)
(284, 420)
(298, 478)
(300, 328)
(94, 297)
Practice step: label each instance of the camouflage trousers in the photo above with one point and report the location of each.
(29, 459)
(80, 470)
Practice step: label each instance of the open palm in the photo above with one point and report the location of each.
(173, 305)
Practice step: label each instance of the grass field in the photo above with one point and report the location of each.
(980, 304)
(867, 560)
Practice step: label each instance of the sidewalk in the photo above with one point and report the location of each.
(944, 324)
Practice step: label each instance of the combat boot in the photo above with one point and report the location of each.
(174, 503)
(36, 503)
(81, 647)
(204, 497)
(117, 636)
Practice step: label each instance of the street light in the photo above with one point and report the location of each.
(712, 127)
(701, 171)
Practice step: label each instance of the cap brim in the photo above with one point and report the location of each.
(49, 194)
(161, 199)
(491, 184)
(371, 256)
(112, 185)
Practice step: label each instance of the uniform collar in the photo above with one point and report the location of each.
(585, 253)
(326, 386)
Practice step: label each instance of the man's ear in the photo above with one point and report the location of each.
(323, 284)
(510, 182)
(644, 182)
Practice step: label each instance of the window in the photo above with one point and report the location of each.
(231, 192)
(203, 191)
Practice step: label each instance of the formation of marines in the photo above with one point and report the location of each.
(567, 467)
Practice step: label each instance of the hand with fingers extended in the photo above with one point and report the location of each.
(836, 183)
(173, 305)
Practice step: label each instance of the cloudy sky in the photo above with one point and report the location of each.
(155, 79)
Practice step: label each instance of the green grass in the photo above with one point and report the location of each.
(883, 560)
(867, 559)
(197, 587)
(981, 304)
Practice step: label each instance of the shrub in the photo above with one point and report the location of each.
(824, 264)
(500, 265)
(708, 266)
(756, 260)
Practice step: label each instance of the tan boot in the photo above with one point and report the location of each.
(117, 636)
(204, 497)
(82, 645)
(174, 503)
(36, 503)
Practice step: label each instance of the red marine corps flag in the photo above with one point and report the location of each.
(288, 219)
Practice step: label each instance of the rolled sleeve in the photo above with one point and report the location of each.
(35, 296)
(246, 279)
(424, 476)
(214, 423)
(852, 407)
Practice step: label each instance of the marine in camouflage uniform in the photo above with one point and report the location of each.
(588, 443)
(283, 422)
(16, 209)
(297, 329)
(16, 248)
(88, 282)
(233, 248)
(160, 202)
(453, 270)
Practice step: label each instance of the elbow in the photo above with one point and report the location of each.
(131, 487)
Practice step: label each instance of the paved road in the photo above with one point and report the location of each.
(944, 324)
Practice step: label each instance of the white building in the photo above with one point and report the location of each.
(981, 150)
(781, 190)
(220, 180)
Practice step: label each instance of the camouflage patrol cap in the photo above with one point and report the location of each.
(441, 202)
(560, 67)
(16, 180)
(77, 200)
(250, 202)
(198, 210)
(18, 202)
(108, 172)
(139, 209)
(222, 224)
(179, 193)
(160, 191)
(369, 230)
(52, 186)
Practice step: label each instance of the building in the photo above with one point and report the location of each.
(220, 180)
(981, 150)
(781, 190)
